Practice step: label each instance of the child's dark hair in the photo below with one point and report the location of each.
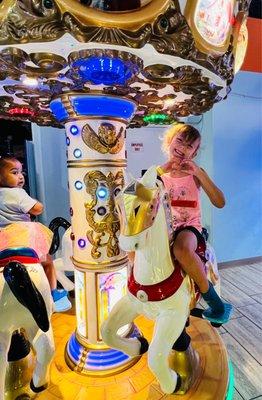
(190, 133)
(4, 160)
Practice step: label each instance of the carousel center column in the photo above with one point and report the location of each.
(95, 134)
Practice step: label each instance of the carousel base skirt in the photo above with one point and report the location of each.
(211, 381)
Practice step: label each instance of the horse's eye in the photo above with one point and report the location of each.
(151, 207)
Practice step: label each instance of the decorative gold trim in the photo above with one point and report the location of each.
(187, 365)
(97, 165)
(86, 304)
(240, 42)
(107, 138)
(103, 232)
(93, 17)
(85, 163)
(69, 107)
(95, 117)
(91, 346)
(201, 43)
(103, 266)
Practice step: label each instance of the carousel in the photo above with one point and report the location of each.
(96, 68)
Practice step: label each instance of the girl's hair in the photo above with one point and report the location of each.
(4, 160)
(189, 132)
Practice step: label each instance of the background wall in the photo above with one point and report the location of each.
(237, 124)
(230, 153)
(51, 172)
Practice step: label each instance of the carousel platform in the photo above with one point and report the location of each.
(138, 383)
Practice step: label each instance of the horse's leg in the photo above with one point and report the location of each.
(183, 341)
(43, 344)
(122, 314)
(168, 327)
(5, 340)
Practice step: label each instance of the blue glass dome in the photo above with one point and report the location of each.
(103, 70)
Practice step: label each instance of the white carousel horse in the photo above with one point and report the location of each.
(157, 288)
(63, 261)
(25, 302)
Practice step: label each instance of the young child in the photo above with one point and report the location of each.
(183, 179)
(16, 228)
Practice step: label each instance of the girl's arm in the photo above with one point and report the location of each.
(215, 195)
(37, 209)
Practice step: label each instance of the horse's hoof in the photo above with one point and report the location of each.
(37, 389)
(197, 312)
(144, 344)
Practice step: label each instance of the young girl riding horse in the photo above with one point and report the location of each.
(183, 179)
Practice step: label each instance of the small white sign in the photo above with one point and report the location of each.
(137, 147)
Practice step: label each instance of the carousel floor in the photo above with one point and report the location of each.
(138, 383)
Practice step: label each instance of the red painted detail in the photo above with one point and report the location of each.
(159, 291)
(184, 203)
(21, 259)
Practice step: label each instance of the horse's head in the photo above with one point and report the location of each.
(138, 206)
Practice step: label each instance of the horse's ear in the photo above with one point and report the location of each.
(128, 178)
(149, 178)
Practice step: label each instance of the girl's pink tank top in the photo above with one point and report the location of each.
(185, 201)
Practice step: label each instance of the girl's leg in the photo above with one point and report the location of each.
(184, 250)
(49, 268)
(61, 301)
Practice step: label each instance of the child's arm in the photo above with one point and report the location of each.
(26, 204)
(37, 209)
(215, 195)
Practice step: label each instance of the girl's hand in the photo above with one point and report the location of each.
(190, 168)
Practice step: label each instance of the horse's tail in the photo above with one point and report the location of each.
(20, 284)
(54, 226)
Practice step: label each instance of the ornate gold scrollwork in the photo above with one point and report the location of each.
(106, 141)
(18, 62)
(29, 21)
(159, 23)
(105, 227)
